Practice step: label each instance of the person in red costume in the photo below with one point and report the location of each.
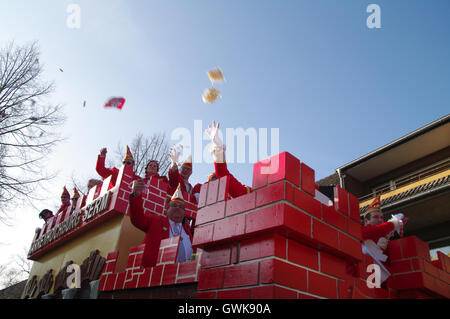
(65, 201)
(106, 172)
(180, 176)
(217, 149)
(75, 198)
(376, 233)
(152, 170)
(158, 227)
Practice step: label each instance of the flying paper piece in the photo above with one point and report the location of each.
(84, 103)
(210, 95)
(216, 76)
(61, 70)
(116, 102)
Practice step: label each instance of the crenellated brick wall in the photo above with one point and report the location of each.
(278, 241)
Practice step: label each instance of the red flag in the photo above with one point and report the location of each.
(116, 102)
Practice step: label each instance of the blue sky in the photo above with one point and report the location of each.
(335, 88)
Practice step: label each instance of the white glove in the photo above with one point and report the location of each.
(174, 155)
(397, 221)
(217, 148)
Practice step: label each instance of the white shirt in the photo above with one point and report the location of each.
(185, 250)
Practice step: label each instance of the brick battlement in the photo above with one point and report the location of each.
(278, 241)
(100, 205)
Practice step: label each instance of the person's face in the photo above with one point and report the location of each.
(376, 218)
(185, 172)
(65, 199)
(175, 212)
(152, 168)
(129, 162)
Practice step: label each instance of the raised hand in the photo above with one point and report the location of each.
(103, 152)
(212, 132)
(174, 155)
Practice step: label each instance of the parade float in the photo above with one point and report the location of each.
(278, 241)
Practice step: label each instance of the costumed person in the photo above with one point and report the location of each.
(152, 170)
(75, 198)
(376, 234)
(46, 215)
(181, 176)
(217, 150)
(158, 227)
(65, 201)
(114, 172)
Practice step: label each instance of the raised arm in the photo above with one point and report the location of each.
(137, 216)
(100, 166)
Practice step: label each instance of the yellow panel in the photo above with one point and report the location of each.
(103, 237)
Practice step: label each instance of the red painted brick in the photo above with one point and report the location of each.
(203, 234)
(307, 203)
(144, 279)
(325, 234)
(241, 275)
(431, 270)
(187, 269)
(265, 218)
(223, 188)
(408, 281)
(234, 294)
(169, 274)
(332, 265)
(110, 282)
(119, 281)
(260, 174)
(271, 245)
(308, 180)
(341, 200)
(354, 207)
(156, 275)
(354, 229)
(270, 194)
(210, 213)
(303, 255)
(398, 266)
(277, 271)
(284, 166)
(394, 250)
(234, 253)
(331, 216)
(418, 264)
(241, 204)
(170, 255)
(213, 190)
(218, 256)
(411, 247)
(202, 196)
(206, 295)
(345, 290)
(229, 228)
(211, 279)
(350, 246)
(321, 285)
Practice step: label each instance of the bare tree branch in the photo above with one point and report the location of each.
(27, 125)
